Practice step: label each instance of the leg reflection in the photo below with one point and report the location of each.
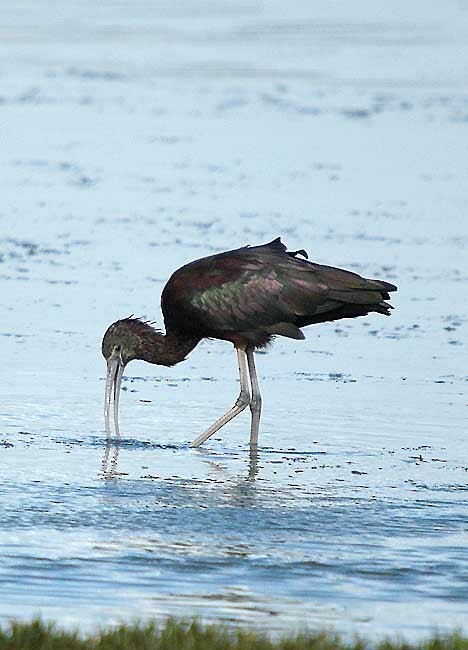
(253, 463)
(220, 466)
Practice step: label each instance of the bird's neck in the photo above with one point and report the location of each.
(166, 349)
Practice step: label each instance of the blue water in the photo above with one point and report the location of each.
(137, 137)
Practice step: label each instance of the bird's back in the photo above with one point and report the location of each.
(249, 294)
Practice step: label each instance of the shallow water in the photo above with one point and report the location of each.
(137, 137)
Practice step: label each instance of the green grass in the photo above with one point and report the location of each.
(175, 635)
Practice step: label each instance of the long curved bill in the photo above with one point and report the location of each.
(115, 368)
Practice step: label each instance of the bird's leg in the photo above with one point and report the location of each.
(241, 403)
(256, 401)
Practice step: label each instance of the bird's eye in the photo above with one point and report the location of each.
(118, 348)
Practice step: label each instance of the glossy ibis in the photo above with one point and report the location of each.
(245, 296)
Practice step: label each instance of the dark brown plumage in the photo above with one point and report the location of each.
(245, 296)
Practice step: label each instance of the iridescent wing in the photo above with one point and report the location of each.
(264, 288)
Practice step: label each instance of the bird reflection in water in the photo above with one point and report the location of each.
(219, 468)
(108, 463)
(110, 459)
(253, 463)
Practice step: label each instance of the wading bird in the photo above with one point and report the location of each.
(245, 296)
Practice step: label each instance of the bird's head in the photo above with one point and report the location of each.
(123, 341)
